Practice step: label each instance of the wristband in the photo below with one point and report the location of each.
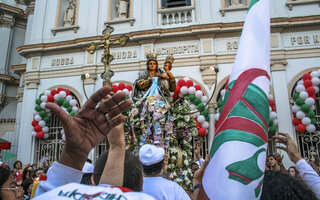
(196, 187)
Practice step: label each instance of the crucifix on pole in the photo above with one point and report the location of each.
(106, 56)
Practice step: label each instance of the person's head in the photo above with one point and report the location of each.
(194, 167)
(7, 185)
(26, 174)
(132, 178)
(27, 186)
(292, 171)
(280, 186)
(30, 168)
(151, 157)
(17, 164)
(167, 66)
(38, 172)
(272, 161)
(152, 65)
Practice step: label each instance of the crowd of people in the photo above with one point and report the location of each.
(118, 174)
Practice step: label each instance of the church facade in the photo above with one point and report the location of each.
(202, 36)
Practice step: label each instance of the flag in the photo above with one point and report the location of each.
(4, 144)
(238, 151)
(8, 155)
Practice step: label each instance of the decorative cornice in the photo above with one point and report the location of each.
(278, 65)
(30, 8)
(6, 21)
(19, 69)
(8, 78)
(13, 10)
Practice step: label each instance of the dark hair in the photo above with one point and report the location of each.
(153, 169)
(272, 156)
(170, 66)
(25, 172)
(15, 163)
(132, 178)
(295, 170)
(194, 164)
(280, 186)
(25, 185)
(4, 175)
(86, 178)
(89, 161)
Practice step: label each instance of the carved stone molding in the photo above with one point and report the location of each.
(32, 80)
(233, 8)
(120, 21)
(209, 75)
(60, 29)
(20, 94)
(212, 108)
(6, 21)
(30, 8)
(291, 3)
(32, 84)
(278, 65)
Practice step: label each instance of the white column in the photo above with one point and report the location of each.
(5, 41)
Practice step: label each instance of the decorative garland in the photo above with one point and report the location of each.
(121, 87)
(42, 116)
(304, 102)
(273, 121)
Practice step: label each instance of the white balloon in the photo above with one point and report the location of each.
(275, 122)
(199, 94)
(34, 134)
(62, 94)
(42, 123)
(314, 74)
(192, 106)
(205, 125)
(270, 97)
(313, 107)
(223, 92)
(311, 128)
(192, 90)
(300, 88)
(295, 108)
(300, 114)
(43, 105)
(56, 97)
(73, 102)
(45, 129)
(315, 81)
(64, 137)
(300, 82)
(37, 118)
(273, 115)
(35, 113)
(204, 99)
(126, 91)
(181, 95)
(216, 116)
(316, 88)
(304, 95)
(310, 101)
(45, 136)
(119, 91)
(47, 92)
(44, 98)
(75, 108)
(185, 79)
(270, 109)
(62, 131)
(201, 119)
(306, 121)
(197, 114)
(184, 90)
(69, 98)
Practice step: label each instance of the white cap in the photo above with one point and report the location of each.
(88, 168)
(150, 154)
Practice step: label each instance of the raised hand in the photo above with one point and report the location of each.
(90, 125)
(289, 147)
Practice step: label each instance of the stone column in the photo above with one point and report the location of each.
(6, 23)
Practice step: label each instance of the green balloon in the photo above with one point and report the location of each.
(200, 107)
(295, 96)
(46, 119)
(311, 114)
(69, 109)
(270, 122)
(41, 95)
(305, 108)
(43, 113)
(187, 95)
(205, 112)
(299, 101)
(38, 101)
(272, 130)
(207, 118)
(66, 104)
(192, 97)
(60, 101)
(314, 121)
(73, 113)
(220, 103)
(197, 101)
(38, 108)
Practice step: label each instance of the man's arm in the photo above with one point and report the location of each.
(197, 180)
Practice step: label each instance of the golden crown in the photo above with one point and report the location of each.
(152, 56)
(169, 59)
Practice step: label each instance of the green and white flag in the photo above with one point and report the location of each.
(238, 151)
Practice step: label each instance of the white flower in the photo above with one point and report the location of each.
(171, 176)
(184, 173)
(173, 158)
(186, 162)
(177, 180)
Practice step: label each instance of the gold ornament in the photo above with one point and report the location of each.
(152, 56)
(169, 59)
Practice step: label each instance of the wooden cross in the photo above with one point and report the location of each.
(106, 56)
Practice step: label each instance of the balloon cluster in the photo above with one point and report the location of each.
(121, 87)
(187, 88)
(304, 102)
(41, 115)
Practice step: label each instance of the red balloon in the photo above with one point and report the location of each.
(310, 91)
(59, 89)
(306, 77)
(115, 88)
(296, 121)
(50, 98)
(271, 103)
(53, 92)
(202, 131)
(34, 123)
(37, 128)
(40, 134)
(67, 92)
(301, 128)
(177, 90)
(121, 86)
(197, 87)
(181, 83)
(307, 83)
(314, 97)
(129, 87)
(198, 125)
(189, 83)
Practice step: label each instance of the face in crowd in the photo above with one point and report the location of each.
(272, 161)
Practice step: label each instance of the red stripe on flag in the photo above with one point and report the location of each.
(254, 111)
(240, 176)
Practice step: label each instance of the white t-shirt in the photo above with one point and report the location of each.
(163, 189)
